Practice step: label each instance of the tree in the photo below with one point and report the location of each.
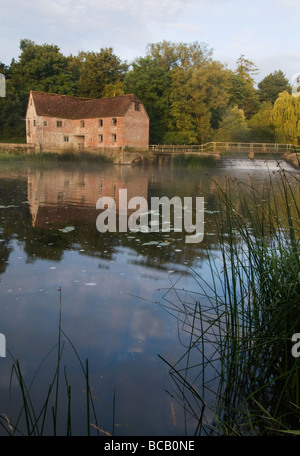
(42, 67)
(241, 87)
(261, 126)
(173, 55)
(245, 69)
(150, 81)
(286, 118)
(100, 73)
(197, 98)
(233, 126)
(273, 84)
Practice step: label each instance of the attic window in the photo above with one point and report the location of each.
(114, 121)
(100, 122)
(59, 123)
(136, 106)
(82, 123)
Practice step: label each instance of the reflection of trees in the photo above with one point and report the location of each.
(63, 196)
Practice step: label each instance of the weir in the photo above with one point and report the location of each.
(216, 149)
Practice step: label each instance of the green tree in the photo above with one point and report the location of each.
(233, 126)
(286, 118)
(241, 87)
(197, 97)
(261, 126)
(39, 67)
(100, 73)
(42, 67)
(246, 69)
(150, 81)
(172, 55)
(273, 84)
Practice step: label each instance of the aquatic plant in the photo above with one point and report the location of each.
(38, 418)
(237, 375)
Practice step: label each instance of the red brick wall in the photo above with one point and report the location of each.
(131, 130)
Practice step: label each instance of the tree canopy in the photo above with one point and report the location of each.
(190, 97)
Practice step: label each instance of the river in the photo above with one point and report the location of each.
(112, 287)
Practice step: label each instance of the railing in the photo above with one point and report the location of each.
(218, 147)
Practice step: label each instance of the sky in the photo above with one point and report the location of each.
(267, 32)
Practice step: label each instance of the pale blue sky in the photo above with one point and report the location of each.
(265, 31)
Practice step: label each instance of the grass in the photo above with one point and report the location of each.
(45, 157)
(237, 375)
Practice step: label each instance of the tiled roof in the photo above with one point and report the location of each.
(66, 107)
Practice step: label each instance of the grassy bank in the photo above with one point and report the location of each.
(44, 157)
(238, 375)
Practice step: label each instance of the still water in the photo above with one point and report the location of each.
(113, 289)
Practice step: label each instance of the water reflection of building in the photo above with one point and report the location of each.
(67, 196)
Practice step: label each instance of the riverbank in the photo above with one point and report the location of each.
(127, 156)
(29, 152)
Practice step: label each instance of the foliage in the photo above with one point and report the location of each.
(272, 85)
(285, 117)
(100, 74)
(188, 95)
(238, 375)
(150, 81)
(233, 126)
(261, 126)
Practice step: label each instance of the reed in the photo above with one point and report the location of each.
(238, 369)
(46, 418)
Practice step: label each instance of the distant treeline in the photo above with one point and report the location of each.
(190, 97)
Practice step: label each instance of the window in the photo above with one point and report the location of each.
(45, 123)
(82, 123)
(59, 123)
(114, 121)
(66, 138)
(136, 106)
(28, 125)
(100, 138)
(100, 122)
(34, 123)
(114, 138)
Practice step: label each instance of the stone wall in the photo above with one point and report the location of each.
(10, 148)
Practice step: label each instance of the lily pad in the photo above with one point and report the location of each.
(67, 229)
